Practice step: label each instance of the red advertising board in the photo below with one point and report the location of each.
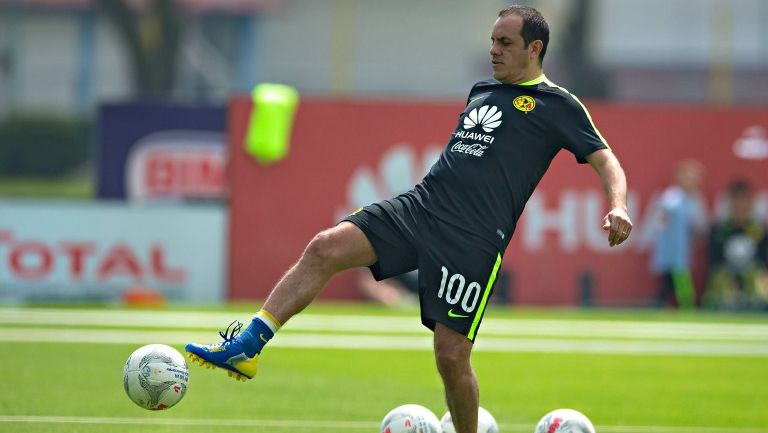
(346, 154)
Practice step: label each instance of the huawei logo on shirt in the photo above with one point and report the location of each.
(488, 117)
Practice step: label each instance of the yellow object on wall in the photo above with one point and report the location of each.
(269, 128)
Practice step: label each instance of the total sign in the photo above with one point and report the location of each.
(52, 250)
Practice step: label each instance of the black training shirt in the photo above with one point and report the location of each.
(503, 144)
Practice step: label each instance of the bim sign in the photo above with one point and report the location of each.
(177, 165)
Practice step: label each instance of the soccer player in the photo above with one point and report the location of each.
(455, 225)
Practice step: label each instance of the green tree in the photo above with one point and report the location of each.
(151, 37)
(585, 77)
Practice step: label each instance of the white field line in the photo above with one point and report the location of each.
(393, 342)
(390, 324)
(311, 424)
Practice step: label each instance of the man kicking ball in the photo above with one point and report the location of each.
(455, 225)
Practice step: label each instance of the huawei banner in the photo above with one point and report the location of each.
(346, 154)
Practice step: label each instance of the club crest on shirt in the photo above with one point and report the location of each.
(524, 103)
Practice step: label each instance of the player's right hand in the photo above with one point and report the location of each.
(618, 225)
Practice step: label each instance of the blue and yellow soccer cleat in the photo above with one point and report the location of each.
(228, 354)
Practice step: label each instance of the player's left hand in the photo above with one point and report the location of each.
(618, 225)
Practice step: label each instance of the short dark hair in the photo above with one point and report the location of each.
(739, 188)
(534, 26)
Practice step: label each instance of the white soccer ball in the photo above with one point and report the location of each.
(155, 376)
(486, 423)
(565, 421)
(410, 418)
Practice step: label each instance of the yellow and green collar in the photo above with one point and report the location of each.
(540, 79)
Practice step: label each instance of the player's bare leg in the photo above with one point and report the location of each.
(452, 352)
(333, 250)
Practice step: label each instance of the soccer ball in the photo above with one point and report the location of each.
(155, 376)
(486, 423)
(410, 418)
(565, 421)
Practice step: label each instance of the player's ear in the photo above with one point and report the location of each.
(534, 49)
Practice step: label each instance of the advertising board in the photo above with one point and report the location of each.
(346, 154)
(161, 152)
(80, 251)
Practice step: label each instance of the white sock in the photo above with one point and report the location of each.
(268, 320)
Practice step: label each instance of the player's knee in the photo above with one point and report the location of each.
(324, 251)
(450, 359)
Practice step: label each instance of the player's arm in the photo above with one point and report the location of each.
(616, 221)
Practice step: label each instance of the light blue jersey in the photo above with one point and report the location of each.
(681, 215)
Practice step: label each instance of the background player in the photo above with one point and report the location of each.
(455, 225)
(680, 216)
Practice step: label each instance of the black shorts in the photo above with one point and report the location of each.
(457, 270)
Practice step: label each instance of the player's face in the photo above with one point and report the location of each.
(741, 207)
(510, 58)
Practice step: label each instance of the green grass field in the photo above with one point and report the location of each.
(630, 371)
